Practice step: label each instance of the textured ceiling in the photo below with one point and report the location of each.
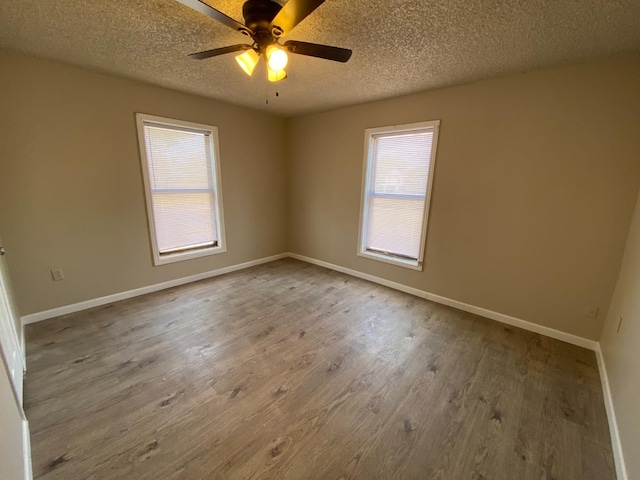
(399, 46)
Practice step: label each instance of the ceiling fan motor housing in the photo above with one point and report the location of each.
(258, 15)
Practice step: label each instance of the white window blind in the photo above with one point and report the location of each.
(399, 166)
(181, 188)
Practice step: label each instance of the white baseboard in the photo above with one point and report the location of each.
(500, 317)
(616, 445)
(26, 451)
(96, 302)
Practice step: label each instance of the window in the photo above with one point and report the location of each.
(398, 173)
(180, 164)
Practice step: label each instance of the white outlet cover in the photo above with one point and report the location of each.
(57, 274)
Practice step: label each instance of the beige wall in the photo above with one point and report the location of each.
(71, 192)
(621, 350)
(535, 184)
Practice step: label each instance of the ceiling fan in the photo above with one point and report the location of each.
(265, 22)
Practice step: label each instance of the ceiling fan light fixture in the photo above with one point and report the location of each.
(275, 75)
(248, 61)
(276, 58)
(266, 22)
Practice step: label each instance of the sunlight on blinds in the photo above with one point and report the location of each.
(182, 191)
(399, 174)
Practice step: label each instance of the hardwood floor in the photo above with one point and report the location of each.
(288, 370)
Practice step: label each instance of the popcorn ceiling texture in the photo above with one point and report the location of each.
(399, 46)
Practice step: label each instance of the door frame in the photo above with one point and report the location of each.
(9, 335)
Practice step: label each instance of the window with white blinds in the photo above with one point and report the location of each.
(397, 187)
(181, 173)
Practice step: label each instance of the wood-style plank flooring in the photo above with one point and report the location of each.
(288, 370)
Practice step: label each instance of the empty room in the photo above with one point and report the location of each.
(319, 239)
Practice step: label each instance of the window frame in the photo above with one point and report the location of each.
(366, 188)
(141, 120)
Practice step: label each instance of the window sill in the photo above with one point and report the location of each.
(399, 262)
(182, 256)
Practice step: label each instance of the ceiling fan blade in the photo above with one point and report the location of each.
(219, 51)
(336, 54)
(211, 12)
(293, 12)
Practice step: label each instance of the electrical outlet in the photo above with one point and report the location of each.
(57, 274)
(591, 312)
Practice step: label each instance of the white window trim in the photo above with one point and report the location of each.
(366, 180)
(158, 259)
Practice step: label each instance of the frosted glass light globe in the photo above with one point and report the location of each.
(277, 58)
